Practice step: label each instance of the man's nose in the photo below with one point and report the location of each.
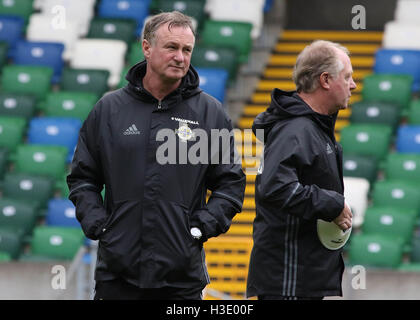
(179, 57)
(353, 85)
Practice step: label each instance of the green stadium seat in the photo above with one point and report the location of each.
(85, 80)
(69, 104)
(118, 29)
(375, 112)
(123, 80)
(366, 139)
(413, 116)
(32, 189)
(56, 242)
(135, 53)
(43, 160)
(21, 8)
(4, 47)
(192, 8)
(11, 243)
(216, 58)
(391, 88)
(17, 216)
(236, 35)
(396, 194)
(17, 105)
(390, 222)
(5, 257)
(12, 130)
(403, 166)
(34, 80)
(360, 167)
(375, 251)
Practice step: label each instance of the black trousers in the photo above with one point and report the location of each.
(119, 289)
(278, 297)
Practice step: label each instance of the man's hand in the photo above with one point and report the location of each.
(344, 220)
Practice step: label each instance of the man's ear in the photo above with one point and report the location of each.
(324, 80)
(146, 48)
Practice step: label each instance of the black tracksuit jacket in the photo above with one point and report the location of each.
(143, 224)
(301, 181)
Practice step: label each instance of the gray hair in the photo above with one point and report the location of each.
(318, 57)
(174, 18)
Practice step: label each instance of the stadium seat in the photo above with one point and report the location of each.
(359, 166)
(32, 189)
(388, 88)
(85, 80)
(356, 195)
(391, 222)
(5, 257)
(268, 5)
(117, 29)
(123, 80)
(213, 82)
(20, 8)
(250, 11)
(236, 35)
(79, 12)
(55, 131)
(366, 139)
(34, 80)
(56, 242)
(11, 31)
(41, 54)
(126, 9)
(407, 11)
(136, 53)
(398, 194)
(408, 139)
(17, 105)
(192, 8)
(375, 251)
(4, 48)
(101, 54)
(11, 243)
(375, 112)
(41, 160)
(399, 35)
(39, 29)
(391, 61)
(413, 115)
(216, 58)
(61, 213)
(403, 167)
(69, 104)
(17, 216)
(12, 130)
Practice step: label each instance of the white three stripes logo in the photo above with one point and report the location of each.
(131, 130)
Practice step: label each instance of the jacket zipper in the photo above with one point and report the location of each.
(159, 105)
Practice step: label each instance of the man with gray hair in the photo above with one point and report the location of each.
(301, 181)
(154, 219)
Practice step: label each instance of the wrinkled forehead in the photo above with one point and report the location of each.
(167, 32)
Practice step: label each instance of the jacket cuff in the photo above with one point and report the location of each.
(195, 221)
(336, 206)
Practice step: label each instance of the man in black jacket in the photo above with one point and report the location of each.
(301, 181)
(154, 219)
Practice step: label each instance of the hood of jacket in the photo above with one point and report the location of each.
(286, 105)
(189, 85)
